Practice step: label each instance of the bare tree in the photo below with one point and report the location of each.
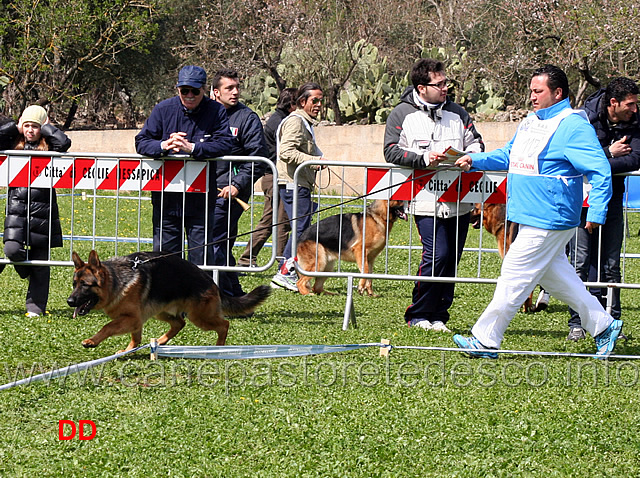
(49, 48)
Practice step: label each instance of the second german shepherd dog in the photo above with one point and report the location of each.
(133, 288)
(494, 221)
(350, 237)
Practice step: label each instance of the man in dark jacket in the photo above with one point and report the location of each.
(286, 104)
(189, 123)
(235, 179)
(613, 112)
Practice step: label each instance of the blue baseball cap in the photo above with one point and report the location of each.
(193, 76)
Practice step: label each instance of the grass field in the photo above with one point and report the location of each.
(418, 413)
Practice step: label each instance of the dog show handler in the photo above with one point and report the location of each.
(551, 151)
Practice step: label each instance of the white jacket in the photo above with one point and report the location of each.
(414, 129)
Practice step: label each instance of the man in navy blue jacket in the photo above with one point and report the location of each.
(191, 124)
(235, 179)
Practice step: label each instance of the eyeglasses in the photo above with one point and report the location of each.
(441, 86)
(315, 101)
(184, 91)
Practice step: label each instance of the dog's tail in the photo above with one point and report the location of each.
(245, 305)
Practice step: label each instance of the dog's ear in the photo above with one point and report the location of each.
(93, 259)
(77, 262)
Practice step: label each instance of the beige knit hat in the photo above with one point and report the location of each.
(35, 114)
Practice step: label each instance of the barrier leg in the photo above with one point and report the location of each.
(349, 311)
(609, 299)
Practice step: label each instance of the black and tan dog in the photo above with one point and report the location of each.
(505, 232)
(345, 236)
(493, 220)
(134, 288)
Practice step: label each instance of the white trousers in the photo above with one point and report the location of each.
(537, 256)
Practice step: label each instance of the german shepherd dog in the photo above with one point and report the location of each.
(505, 232)
(346, 236)
(133, 288)
(493, 220)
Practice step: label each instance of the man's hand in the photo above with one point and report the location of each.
(464, 162)
(228, 192)
(320, 167)
(619, 148)
(591, 226)
(432, 158)
(177, 143)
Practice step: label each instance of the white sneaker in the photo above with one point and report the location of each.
(439, 326)
(424, 324)
(543, 301)
(32, 314)
(288, 281)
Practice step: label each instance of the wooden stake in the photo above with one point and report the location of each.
(384, 351)
(154, 349)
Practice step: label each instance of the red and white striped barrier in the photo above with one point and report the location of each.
(441, 186)
(97, 173)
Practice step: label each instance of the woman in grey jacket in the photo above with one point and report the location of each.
(32, 224)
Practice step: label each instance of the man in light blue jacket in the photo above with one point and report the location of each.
(552, 150)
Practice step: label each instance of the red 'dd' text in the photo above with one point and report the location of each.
(70, 427)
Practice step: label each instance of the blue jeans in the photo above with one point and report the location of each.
(306, 207)
(583, 251)
(440, 255)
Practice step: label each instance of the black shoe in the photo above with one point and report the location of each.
(23, 271)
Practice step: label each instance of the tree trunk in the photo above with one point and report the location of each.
(333, 102)
(70, 115)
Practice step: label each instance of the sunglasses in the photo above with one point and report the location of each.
(184, 91)
(315, 101)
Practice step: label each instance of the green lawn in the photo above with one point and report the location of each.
(419, 413)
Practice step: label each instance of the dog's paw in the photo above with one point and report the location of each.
(528, 307)
(366, 291)
(88, 344)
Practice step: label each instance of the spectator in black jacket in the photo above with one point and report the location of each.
(32, 225)
(235, 179)
(286, 104)
(613, 112)
(189, 123)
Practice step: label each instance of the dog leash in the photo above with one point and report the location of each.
(137, 261)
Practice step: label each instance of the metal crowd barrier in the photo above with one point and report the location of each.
(388, 181)
(104, 203)
(104, 200)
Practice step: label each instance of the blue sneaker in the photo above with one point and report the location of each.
(606, 340)
(471, 343)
